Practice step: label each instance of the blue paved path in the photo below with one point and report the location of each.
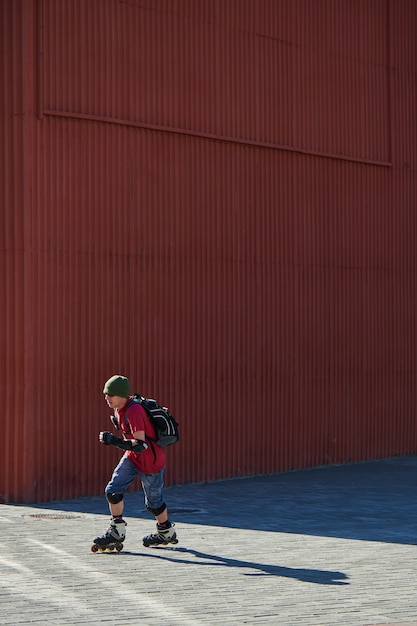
(326, 546)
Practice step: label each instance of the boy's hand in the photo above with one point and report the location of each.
(106, 438)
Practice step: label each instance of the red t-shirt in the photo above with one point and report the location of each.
(138, 420)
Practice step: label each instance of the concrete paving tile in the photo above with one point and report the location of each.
(319, 547)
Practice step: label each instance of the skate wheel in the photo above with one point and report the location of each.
(110, 548)
(94, 548)
(119, 547)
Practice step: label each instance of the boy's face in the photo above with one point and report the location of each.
(115, 402)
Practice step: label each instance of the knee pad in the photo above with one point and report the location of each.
(157, 511)
(114, 498)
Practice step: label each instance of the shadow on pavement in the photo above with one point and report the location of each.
(319, 577)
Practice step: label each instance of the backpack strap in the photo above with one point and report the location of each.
(150, 439)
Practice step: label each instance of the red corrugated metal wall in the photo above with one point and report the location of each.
(217, 199)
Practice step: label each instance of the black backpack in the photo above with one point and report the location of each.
(166, 427)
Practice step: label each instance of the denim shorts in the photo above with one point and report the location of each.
(152, 484)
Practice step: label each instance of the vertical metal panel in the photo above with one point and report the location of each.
(216, 199)
(304, 75)
(10, 234)
(16, 141)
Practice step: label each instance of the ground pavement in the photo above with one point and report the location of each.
(325, 546)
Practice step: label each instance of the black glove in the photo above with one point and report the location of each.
(107, 438)
(124, 444)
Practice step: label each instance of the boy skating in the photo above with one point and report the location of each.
(139, 459)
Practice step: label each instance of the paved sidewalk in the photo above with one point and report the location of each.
(325, 546)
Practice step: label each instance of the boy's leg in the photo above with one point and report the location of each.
(123, 475)
(153, 486)
(153, 490)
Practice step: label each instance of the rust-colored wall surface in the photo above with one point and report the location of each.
(217, 199)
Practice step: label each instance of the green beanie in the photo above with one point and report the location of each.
(117, 386)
